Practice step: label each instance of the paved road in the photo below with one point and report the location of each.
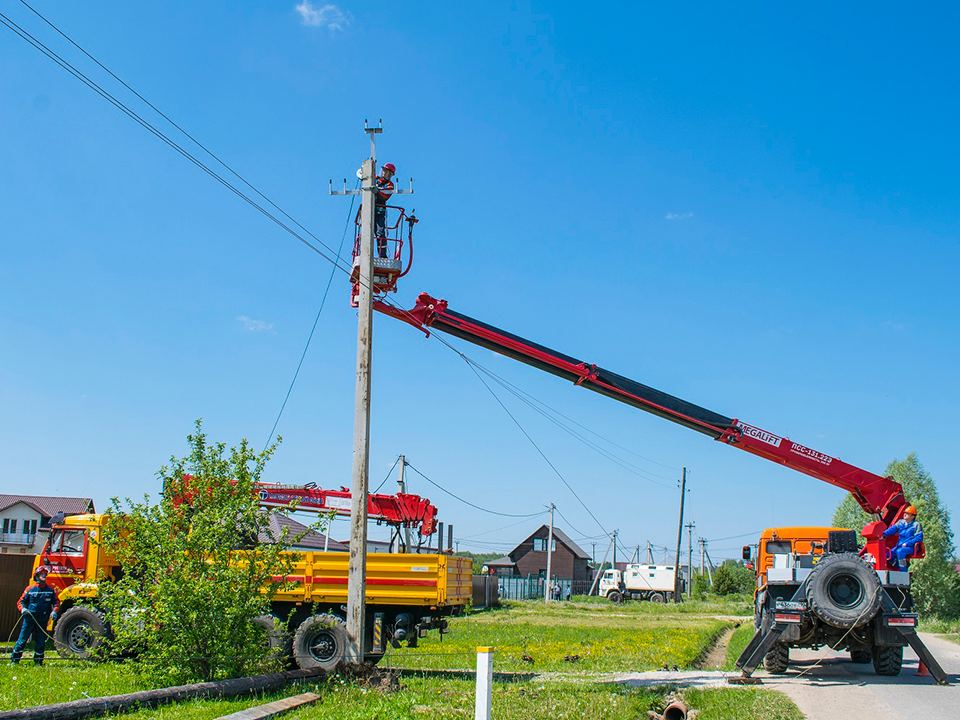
(825, 685)
(837, 688)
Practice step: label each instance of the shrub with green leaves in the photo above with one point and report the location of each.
(935, 582)
(193, 575)
(732, 578)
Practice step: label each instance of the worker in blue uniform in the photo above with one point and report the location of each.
(909, 535)
(37, 605)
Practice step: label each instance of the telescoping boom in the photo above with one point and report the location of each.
(880, 496)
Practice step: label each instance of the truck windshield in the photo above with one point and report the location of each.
(779, 547)
(66, 541)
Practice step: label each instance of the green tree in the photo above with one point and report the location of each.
(185, 602)
(732, 578)
(935, 582)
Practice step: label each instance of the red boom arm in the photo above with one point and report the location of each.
(401, 510)
(878, 495)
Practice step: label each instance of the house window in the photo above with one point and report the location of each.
(29, 527)
(9, 526)
(540, 545)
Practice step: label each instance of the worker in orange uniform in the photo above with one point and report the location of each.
(385, 188)
(38, 604)
(909, 534)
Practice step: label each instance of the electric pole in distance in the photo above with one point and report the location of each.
(690, 527)
(546, 589)
(402, 488)
(676, 579)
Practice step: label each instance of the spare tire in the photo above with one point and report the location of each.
(843, 591)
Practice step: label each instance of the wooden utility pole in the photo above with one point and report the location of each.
(402, 487)
(360, 486)
(683, 494)
(599, 570)
(546, 590)
(690, 527)
(703, 562)
(649, 553)
(615, 549)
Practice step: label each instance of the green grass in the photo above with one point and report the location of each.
(949, 629)
(607, 637)
(738, 641)
(741, 704)
(740, 605)
(604, 637)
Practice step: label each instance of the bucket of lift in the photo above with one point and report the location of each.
(388, 253)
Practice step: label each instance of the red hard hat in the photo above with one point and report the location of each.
(390, 166)
(40, 573)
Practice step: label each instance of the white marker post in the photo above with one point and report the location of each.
(484, 683)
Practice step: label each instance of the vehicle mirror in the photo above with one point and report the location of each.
(747, 554)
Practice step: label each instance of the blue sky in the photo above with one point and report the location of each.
(752, 208)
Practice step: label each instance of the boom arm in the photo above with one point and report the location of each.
(877, 495)
(400, 510)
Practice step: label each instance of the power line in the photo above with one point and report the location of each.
(520, 395)
(473, 505)
(316, 319)
(488, 532)
(527, 435)
(170, 120)
(387, 476)
(734, 537)
(533, 399)
(160, 135)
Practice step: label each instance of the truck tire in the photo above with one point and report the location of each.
(277, 641)
(615, 596)
(80, 632)
(860, 657)
(777, 659)
(843, 591)
(656, 598)
(887, 659)
(320, 642)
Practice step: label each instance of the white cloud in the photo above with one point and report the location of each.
(253, 325)
(678, 216)
(328, 15)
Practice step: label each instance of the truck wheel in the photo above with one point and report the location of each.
(887, 660)
(860, 656)
(843, 591)
(615, 596)
(320, 642)
(79, 632)
(776, 661)
(656, 598)
(277, 644)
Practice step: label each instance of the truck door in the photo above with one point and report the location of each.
(66, 556)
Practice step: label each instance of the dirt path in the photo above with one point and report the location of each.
(716, 657)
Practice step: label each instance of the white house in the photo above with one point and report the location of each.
(23, 517)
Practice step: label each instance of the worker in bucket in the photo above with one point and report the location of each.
(909, 534)
(38, 604)
(385, 187)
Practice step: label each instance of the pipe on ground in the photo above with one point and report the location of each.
(675, 711)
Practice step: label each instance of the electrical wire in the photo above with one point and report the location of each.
(734, 537)
(316, 319)
(473, 505)
(389, 473)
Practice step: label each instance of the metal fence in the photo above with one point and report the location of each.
(14, 577)
(532, 588)
(486, 591)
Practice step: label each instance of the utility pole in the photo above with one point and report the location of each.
(636, 554)
(709, 563)
(703, 568)
(649, 553)
(599, 570)
(690, 527)
(683, 493)
(593, 553)
(356, 579)
(402, 488)
(615, 549)
(546, 589)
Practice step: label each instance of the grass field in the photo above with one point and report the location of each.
(602, 637)
(607, 637)
(741, 637)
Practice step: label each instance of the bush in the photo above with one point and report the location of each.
(185, 602)
(732, 578)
